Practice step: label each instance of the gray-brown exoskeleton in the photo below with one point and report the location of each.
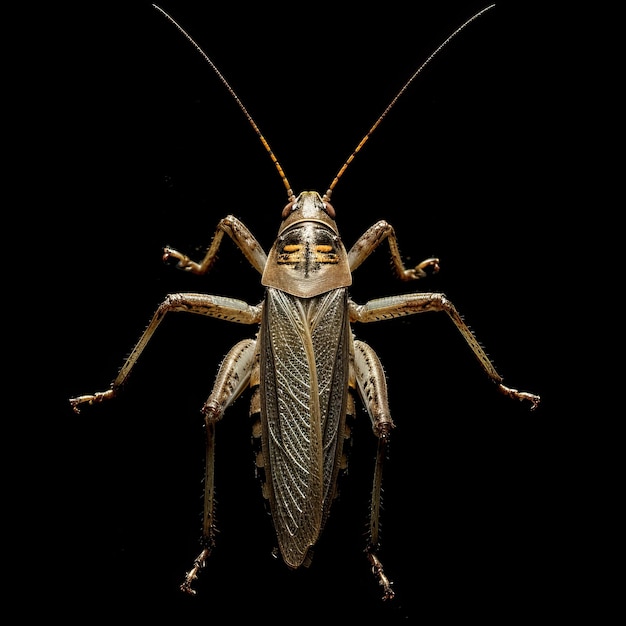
(304, 366)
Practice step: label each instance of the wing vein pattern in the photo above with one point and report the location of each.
(304, 378)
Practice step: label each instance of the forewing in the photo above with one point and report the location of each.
(303, 387)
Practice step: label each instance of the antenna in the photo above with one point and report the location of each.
(290, 195)
(343, 168)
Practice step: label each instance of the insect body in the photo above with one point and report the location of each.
(304, 367)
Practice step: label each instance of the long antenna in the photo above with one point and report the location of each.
(290, 194)
(343, 168)
(329, 191)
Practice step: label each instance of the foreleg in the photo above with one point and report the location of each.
(373, 237)
(240, 235)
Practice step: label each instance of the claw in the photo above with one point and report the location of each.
(184, 262)
(186, 586)
(432, 264)
(170, 253)
(520, 395)
(419, 271)
(192, 574)
(99, 396)
(377, 570)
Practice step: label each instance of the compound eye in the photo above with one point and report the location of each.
(287, 210)
(330, 211)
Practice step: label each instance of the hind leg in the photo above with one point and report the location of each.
(372, 388)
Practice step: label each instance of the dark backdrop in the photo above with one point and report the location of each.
(142, 147)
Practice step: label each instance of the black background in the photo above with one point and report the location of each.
(140, 146)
